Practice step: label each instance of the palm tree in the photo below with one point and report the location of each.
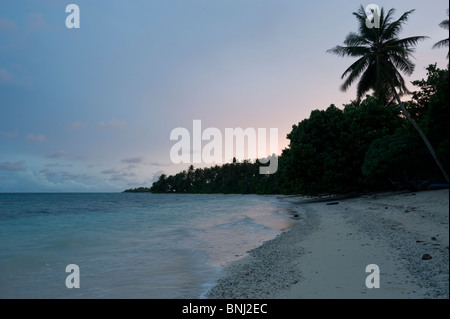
(382, 55)
(442, 43)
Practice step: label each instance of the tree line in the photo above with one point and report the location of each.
(378, 142)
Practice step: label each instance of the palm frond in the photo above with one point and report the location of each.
(408, 43)
(393, 29)
(444, 23)
(366, 82)
(349, 51)
(355, 71)
(382, 55)
(364, 32)
(403, 64)
(355, 39)
(441, 44)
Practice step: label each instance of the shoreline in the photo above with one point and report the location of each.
(326, 253)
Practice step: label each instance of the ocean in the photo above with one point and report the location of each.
(171, 246)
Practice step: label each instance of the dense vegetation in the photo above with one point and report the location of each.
(366, 145)
(360, 147)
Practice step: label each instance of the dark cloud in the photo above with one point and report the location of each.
(73, 177)
(122, 177)
(49, 174)
(158, 164)
(110, 171)
(133, 160)
(58, 165)
(13, 166)
(57, 154)
(63, 175)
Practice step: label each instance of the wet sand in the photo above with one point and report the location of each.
(326, 254)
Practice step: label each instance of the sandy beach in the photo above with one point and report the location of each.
(326, 254)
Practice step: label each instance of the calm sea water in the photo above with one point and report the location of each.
(129, 245)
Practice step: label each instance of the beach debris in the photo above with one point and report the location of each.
(433, 185)
(426, 257)
(333, 203)
(433, 238)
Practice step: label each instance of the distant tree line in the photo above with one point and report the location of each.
(237, 177)
(369, 144)
(366, 145)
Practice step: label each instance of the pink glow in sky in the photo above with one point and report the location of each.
(91, 109)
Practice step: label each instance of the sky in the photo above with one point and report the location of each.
(91, 109)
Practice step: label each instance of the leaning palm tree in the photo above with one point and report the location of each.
(382, 55)
(442, 43)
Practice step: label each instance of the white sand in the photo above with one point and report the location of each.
(327, 254)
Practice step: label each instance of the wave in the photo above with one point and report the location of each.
(246, 222)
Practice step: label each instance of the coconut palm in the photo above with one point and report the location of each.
(382, 57)
(442, 43)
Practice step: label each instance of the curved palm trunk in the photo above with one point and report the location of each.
(421, 133)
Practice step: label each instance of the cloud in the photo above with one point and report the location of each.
(73, 177)
(63, 175)
(119, 175)
(36, 21)
(15, 74)
(93, 165)
(49, 174)
(36, 138)
(58, 165)
(9, 135)
(158, 164)
(5, 76)
(110, 171)
(122, 177)
(7, 25)
(76, 126)
(148, 181)
(112, 125)
(13, 166)
(133, 160)
(156, 176)
(101, 125)
(57, 154)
